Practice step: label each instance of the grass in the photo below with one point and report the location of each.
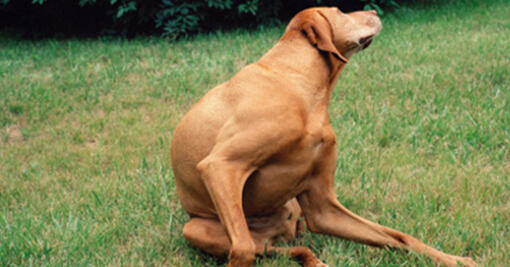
(422, 119)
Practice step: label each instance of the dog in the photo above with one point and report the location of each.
(258, 151)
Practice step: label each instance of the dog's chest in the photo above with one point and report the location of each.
(319, 143)
(320, 135)
(284, 176)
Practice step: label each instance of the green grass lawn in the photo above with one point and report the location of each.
(422, 119)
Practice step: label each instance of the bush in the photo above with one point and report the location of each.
(172, 18)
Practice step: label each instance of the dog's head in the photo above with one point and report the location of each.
(335, 32)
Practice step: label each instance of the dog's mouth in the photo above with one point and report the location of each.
(366, 41)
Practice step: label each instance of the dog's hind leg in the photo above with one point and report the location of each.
(324, 214)
(209, 235)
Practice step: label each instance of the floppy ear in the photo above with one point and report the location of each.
(319, 32)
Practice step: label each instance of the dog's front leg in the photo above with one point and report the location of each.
(224, 181)
(324, 214)
(227, 167)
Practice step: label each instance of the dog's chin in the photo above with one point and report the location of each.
(366, 44)
(366, 41)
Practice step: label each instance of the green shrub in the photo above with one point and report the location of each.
(379, 4)
(171, 18)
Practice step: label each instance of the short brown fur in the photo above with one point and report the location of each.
(258, 151)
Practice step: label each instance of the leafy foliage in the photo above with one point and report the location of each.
(379, 4)
(178, 18)
(171, 18)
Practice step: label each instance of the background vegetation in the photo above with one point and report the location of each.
(171, 18)
(422, 119)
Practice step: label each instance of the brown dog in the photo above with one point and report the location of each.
(258, 151)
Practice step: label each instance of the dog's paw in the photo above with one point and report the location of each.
(467, 262)
(319, 263)
(456, 261)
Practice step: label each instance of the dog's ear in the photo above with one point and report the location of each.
(319, 32)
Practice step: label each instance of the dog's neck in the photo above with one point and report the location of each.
(315, 72)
